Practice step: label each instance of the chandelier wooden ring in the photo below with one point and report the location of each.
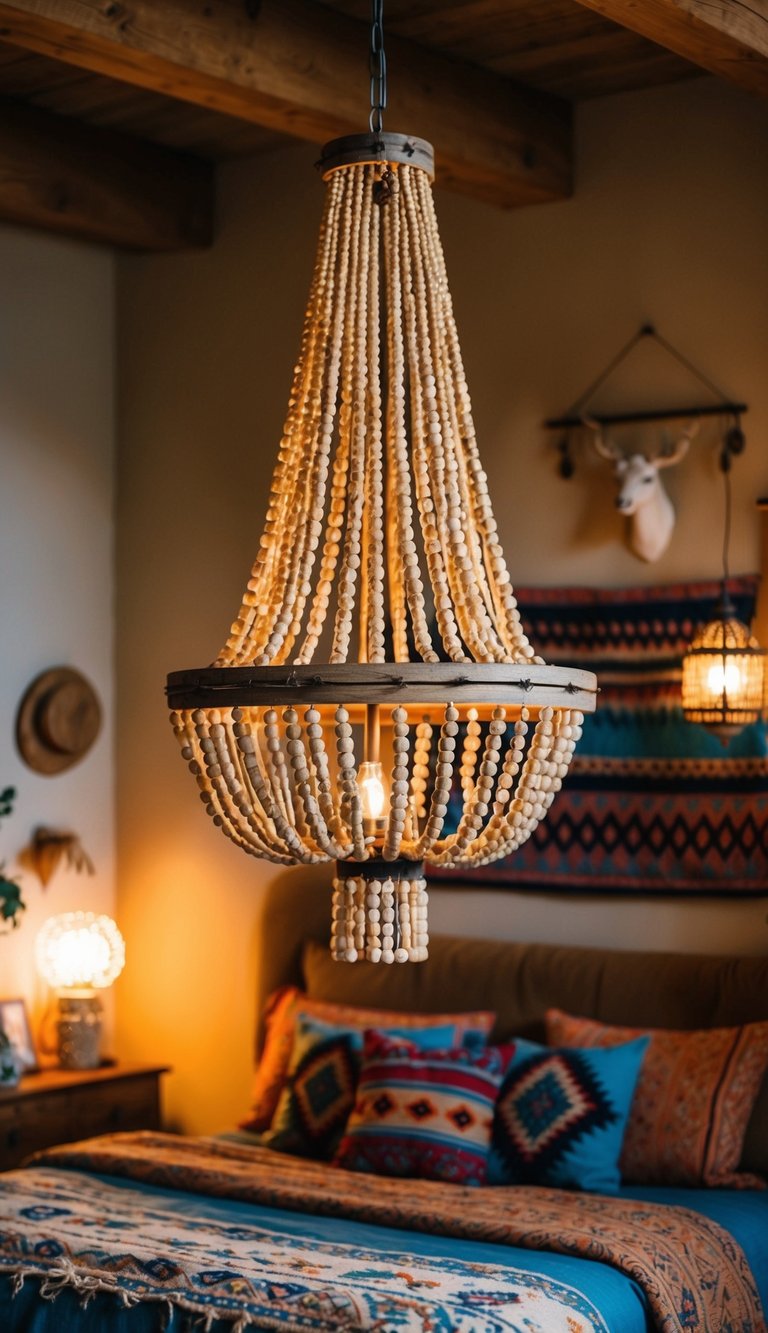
(534, 687)
(386, 148)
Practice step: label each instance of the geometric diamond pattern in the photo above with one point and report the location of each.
(423, 1113)
(423, 1109)
(323, 1088)
(462, 1117)
(546, 1104)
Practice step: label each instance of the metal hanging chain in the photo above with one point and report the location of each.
(378, 66)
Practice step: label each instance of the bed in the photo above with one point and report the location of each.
(134, 1233)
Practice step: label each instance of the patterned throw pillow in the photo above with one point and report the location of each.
(425, 1114)
(281, 1011)
(561, 1115)
(693, 1101)
(321, 1083)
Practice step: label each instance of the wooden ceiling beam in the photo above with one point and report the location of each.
(300, 68)
(726, 37)
(76, 180)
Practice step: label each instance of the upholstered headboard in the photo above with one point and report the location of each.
(519, 981)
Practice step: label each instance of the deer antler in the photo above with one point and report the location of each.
(605, 448)
(680, 447)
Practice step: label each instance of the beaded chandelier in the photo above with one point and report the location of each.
(377, 703)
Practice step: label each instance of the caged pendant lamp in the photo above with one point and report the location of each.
(377, 703)
(723, 679)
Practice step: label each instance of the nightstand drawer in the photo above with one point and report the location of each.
(59, 1106)
(27, 1126)
(127, 1104)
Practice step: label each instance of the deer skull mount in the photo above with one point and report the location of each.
(641, 496)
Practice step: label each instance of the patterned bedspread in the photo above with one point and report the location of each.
(69, 1230)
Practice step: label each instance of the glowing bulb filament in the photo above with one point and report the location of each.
(372, 794)
(724, 678)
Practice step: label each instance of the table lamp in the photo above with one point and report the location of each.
(78, 954)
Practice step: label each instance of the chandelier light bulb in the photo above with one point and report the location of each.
(372, 794)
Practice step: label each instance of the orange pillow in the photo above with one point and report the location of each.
(692, 1102)
(281, 1012)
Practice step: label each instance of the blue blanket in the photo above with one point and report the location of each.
(129, 1231)
(449, 1284)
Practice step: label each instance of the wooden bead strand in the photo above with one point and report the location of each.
(373, 915)
(352, 420)
(398, 461)
(387, 921)
(399, 794)
(420, 772)
(438, 806)
(351, 803)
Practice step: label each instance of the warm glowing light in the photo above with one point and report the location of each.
(80, 951)
(724, 678)
(723, 675)
(373, 797)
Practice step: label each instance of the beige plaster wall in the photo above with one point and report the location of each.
(56, 557)
(668, 223)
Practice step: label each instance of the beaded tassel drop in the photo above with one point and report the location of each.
(377, 701)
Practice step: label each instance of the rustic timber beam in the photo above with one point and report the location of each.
(61, 176)
(727, 37)
(299, 68)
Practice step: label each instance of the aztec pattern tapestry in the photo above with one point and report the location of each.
(652, 803)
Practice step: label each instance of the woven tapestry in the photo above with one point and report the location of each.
(652, 803)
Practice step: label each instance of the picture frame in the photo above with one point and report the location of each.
(14, 1021)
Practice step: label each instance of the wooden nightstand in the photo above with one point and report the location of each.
(59, 1105)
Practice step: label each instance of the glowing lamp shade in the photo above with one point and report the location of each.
(724, 675)
(79, 953)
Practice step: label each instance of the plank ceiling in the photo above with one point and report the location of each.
(555, 46)
(113, 113)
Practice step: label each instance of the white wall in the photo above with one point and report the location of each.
(56, 555)
(668, 223)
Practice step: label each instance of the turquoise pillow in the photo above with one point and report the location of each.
(561, 1114)
(321, 1083)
